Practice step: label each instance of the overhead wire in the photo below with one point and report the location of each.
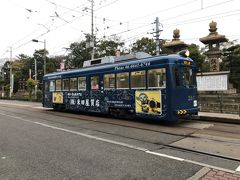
(205, 18)
(68, 22)
(194, 11)
(125, 30)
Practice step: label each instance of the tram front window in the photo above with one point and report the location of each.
(185, 76)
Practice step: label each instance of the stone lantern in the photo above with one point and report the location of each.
(176, 44)
(213, 41)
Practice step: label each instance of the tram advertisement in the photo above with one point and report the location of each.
(58, 97)
(148, 102)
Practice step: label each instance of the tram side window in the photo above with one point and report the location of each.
(157, 78)
(123, 80)
(65, 84)
(138, 79)
(73, 84)
(81, 83)
(52, 86)
(109, 81)
(58, 85)
(94, 82)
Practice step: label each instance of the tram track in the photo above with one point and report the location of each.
(163, 145)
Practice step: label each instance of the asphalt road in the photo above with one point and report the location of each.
(36, 144)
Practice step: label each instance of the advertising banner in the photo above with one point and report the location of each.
(148, 102)
(57, 97)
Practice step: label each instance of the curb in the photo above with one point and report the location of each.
(218, 119)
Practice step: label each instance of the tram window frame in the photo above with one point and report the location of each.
(96, 86)
(141, 80)
(127, 83)
(177, 76)
(84, 87)
(64, 87)
(184, 76)
(51, 85)
(58, 86)
(163, 79)
(109, 81)
(73, 86)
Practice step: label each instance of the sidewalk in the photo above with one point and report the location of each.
(214, 174)
(220, 117)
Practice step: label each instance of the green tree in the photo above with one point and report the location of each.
(21, 67)
(30, 86)
(145, 45)
(197, 56)
(54, 63)
(81, 51)
(38, 56)
(231, 62)
(108, 47)
(2, 82)
(78, 54)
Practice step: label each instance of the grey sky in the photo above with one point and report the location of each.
(61, 22)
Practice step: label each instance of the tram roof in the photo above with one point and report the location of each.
(169, 58)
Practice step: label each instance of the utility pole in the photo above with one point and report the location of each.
(44, 54)
(35, 77)
(10, 78)
(157, 36)
(3, 83)
(44, 57)
(92, 35)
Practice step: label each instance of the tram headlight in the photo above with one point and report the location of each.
(195, 103)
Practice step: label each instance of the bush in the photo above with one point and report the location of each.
(39, 96)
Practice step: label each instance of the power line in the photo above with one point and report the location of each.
(194, 11)
(205, 18)
(126, 31)
(167, 9)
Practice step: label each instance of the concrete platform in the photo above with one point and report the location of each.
(220, 117)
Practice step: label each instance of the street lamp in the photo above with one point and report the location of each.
(44, 54)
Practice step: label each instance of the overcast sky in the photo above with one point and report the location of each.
(62, 22)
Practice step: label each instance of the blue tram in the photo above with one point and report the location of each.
(138, 85)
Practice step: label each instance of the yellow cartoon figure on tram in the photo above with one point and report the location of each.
(148, 102)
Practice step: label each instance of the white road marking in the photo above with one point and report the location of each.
(123, 144)
(238, 169)
(13, 104)
(165, 155)
(40, 107)
(3, 157)
(92, 137)
(24, 105)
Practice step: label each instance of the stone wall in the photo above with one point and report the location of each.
(220, 103)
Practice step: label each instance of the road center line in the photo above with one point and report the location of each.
(122, 144)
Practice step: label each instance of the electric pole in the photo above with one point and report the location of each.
(35, 76)
(11, 76)
(157, 36)
(92, 35)
(44, 57)
(3, 83)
